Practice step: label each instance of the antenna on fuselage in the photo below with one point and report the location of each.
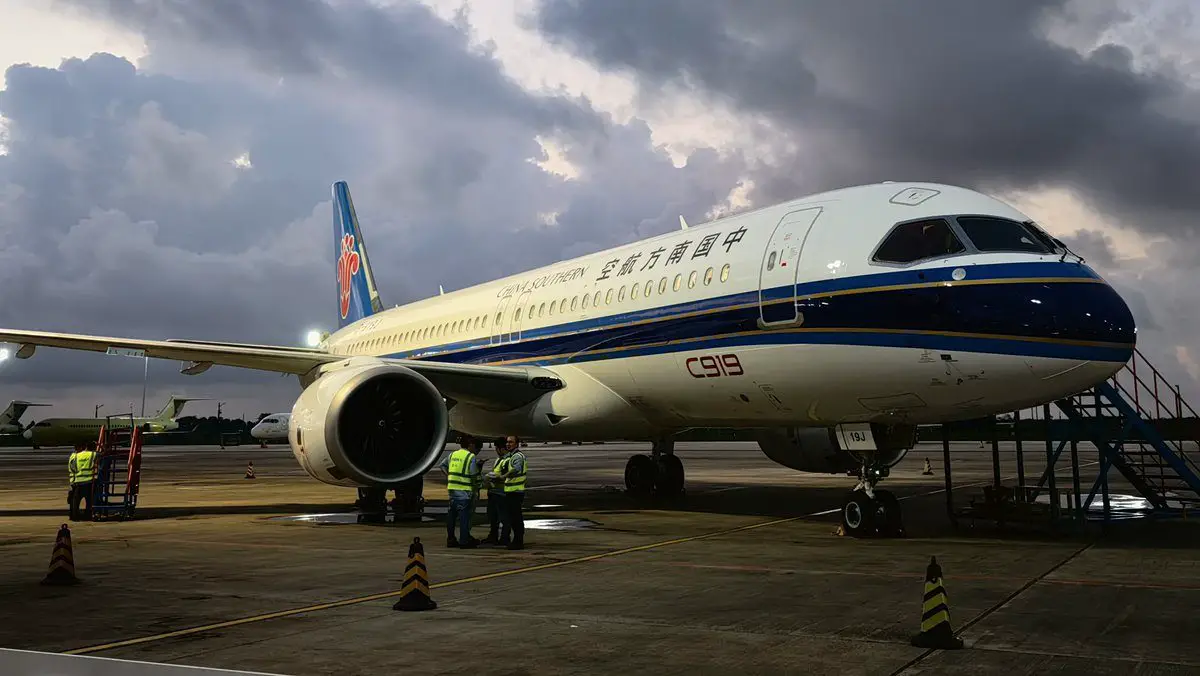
(441, 291)
(682, 223)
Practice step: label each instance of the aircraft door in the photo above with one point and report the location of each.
(520, 312)
(781, 267)
(498, 332)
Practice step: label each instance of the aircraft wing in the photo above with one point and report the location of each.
(492, 387)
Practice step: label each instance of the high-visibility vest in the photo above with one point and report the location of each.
(501, 465)
(82, 466)
(515, 483)
(459, 480)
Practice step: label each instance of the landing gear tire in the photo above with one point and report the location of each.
(889, 518)
(860, 514)
(640, 475)
(669, 480)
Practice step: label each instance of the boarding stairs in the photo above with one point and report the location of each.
(120, 469)
(1144, 429)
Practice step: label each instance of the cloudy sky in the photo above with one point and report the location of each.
(165, 165)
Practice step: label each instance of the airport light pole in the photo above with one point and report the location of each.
(145, 377)
(96, 410)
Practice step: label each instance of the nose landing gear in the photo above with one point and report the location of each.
(872, 512)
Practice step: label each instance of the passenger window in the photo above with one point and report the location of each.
(708, 276)
(596, 299)
(634, 290)
(532, 309)
(662, 286)
(587, 299)
(485, 321)
(542, 310)
(608, 297)
(771, 261)
(692, 280)
(649, 288)
(553, 304)
(562, 306)
(989, 233)
(621, 295)
(574, 303)
(919, 240)
(678, 282)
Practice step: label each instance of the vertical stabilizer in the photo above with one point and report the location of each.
(357, 294)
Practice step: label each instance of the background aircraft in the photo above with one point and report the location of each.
(69, 431)
(10, 419)
(832, 324)
(272, 428)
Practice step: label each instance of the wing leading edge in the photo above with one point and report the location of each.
(493, 387)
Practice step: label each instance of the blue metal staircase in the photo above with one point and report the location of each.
(1140, 425)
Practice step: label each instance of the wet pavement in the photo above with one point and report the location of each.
(744, 575)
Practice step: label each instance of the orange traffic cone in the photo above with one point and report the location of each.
(62, 561)
(250, 470)
(414, 593)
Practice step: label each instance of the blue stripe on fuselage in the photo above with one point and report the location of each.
(1031, 309)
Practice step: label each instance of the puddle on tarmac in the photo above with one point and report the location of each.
(433, 513)
(1121, 506)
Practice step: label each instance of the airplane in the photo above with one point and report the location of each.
(10, 419)
(830, 325)
(68, 431)
(272, 428)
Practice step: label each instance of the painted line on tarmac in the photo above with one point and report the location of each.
(466, 580)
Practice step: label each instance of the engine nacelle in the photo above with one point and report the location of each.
(817, 450)
(368, 424)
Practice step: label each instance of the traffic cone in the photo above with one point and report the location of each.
(62, 561)
(928, 471)
(414, 593)
(249, 470)
(935, 614)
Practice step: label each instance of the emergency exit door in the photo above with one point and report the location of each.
(781, 267)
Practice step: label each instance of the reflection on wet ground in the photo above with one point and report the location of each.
(1121, 506)
(433, 513)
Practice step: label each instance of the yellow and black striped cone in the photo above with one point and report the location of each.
(414, 593)
(62, 561)
(936, 631)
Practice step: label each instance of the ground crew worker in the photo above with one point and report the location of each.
(514, 470)
(495, 499)
(82, 470)
(462, 482)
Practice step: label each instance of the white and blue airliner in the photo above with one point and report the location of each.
(831, 325)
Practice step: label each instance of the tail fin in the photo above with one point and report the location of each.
(174, 407)
(358, 296)
(15, 410)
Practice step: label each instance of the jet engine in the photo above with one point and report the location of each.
(368, 424)
(817, 450)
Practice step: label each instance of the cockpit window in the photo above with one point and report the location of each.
(989, 233)
(911, 242)
(1043, 236)
(271, 420)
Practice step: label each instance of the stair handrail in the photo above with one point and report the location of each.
(1152, 390)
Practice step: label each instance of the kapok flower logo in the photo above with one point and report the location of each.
(347, 267)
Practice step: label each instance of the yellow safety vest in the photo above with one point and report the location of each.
(82, 466)
(515, 483)
(497, 486)
(459, 480)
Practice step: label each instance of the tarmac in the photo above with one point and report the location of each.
(744, 575)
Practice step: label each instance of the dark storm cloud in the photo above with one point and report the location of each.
(969, 93)
(121, 212)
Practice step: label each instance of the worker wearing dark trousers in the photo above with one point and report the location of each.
(495, 499)
(82, 470)
(514, 472)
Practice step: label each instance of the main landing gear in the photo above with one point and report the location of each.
(659, 474)
(871, 511)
